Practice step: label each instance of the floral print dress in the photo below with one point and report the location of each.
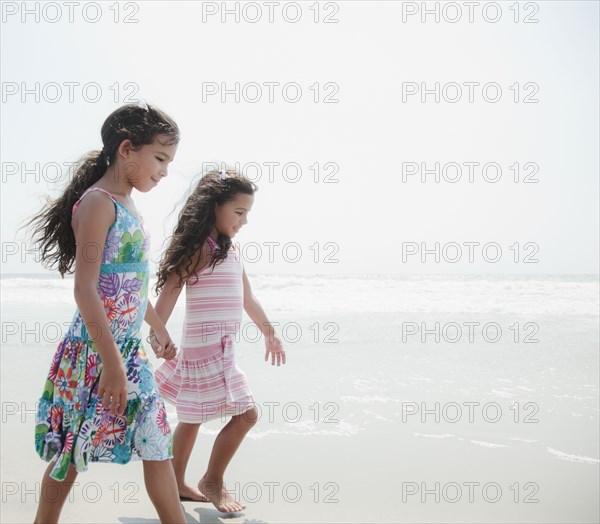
(71, 425)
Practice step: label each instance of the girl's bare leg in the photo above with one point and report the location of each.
(184, 439)
(53, 495)
(226, 444)
(162, 490)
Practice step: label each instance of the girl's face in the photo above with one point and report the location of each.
(231, 216)
(145, 167)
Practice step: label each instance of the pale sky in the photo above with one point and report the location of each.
(365, 141)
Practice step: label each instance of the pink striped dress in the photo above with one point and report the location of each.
(203, 381)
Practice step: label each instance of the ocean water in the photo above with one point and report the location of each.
(520, 294)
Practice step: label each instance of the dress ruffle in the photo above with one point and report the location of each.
(71, 424)
(205, 388)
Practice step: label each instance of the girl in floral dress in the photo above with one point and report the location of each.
(100, 402)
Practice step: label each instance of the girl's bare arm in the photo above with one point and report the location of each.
(157, 325)
(91, 221)
(167, 299)
(172, 289)
(255, 310)
(273, 344)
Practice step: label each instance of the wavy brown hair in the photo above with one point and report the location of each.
(51, 227)
(195, 223)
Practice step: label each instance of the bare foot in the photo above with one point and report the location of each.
(187, 492)
(218, 495)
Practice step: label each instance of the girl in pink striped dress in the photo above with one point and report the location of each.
(203, 381)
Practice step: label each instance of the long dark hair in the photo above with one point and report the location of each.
(51, 227)
(195, 223)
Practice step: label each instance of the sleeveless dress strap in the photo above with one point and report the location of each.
(212, 244)
(89, 190)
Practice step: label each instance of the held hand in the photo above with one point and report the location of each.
(156, 347)
(112, 389)
(163, 347)
(170, 351)
(274, 346)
